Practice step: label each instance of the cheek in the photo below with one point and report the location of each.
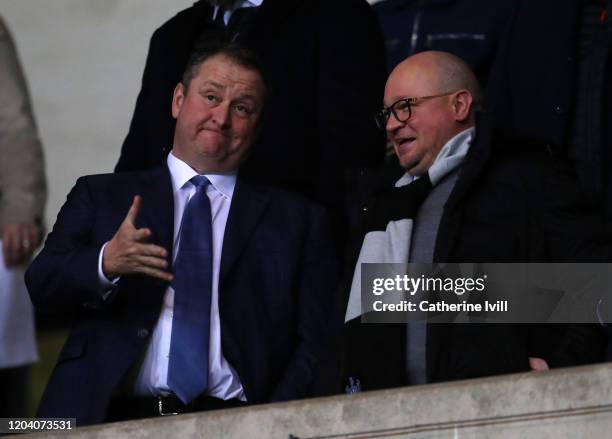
(244, 131)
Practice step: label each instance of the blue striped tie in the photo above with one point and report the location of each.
(189, 344)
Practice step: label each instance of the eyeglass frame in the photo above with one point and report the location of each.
(386, 112)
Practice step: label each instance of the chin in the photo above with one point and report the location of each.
(407, 164)
(212, 149)
(415, 170)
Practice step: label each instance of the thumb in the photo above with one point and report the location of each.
(538, 364)
(134, 209)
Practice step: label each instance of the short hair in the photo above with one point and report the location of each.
(206, 48)
(454, 74)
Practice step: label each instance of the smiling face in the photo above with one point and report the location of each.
(418, 140)
(217, 115)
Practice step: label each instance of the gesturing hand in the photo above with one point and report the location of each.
(129, 253)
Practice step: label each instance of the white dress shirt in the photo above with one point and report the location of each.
(223, 381)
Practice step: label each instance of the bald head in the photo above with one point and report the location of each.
(432, 96)
(443, 71)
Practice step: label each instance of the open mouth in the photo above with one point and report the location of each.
(405, 143)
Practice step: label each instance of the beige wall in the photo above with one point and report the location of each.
(83, 60)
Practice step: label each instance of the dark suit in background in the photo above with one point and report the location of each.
(551, 82)
(325, 63)
(470, 29)
(275, 291)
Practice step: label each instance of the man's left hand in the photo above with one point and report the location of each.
(19, 242)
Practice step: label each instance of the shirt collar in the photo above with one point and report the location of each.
(181, 173)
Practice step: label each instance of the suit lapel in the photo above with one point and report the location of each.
(248, 204)
(157, 211)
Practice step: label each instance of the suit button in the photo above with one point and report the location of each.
(559, 109)
(143, 332)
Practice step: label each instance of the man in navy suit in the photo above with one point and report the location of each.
(326, 66)
(268, 275)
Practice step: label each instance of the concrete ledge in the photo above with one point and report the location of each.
(566, 403)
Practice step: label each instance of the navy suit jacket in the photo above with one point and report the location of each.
(275, 291)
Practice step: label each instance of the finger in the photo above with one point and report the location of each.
(141, 234)
(30, 242)
(134, 209)
(25, 236)
(22, 244)
(538, 364)
(159, 274)
(5, 252)
(13, 247)
(152, 262)
(34, 236)
(150, 250)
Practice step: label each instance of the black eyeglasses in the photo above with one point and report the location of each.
(402, 109)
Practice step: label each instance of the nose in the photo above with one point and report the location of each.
(222, 116)
(392, 125)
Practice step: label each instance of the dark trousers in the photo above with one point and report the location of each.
(13, 392)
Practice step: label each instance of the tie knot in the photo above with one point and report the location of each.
(200, 182)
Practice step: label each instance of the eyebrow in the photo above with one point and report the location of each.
(396, 99)
(245, 95)
(213, 83)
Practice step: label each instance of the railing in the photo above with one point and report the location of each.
(566, 403)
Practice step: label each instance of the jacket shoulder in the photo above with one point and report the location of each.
(116, 184)
(196, 13)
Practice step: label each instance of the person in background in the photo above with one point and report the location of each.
(23, 194)
(470, 29)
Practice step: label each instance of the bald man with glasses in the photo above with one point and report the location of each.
(465, 197)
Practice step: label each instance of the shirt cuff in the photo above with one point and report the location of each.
(106, 284)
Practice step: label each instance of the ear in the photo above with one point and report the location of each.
(177, 99)
(462, 105)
